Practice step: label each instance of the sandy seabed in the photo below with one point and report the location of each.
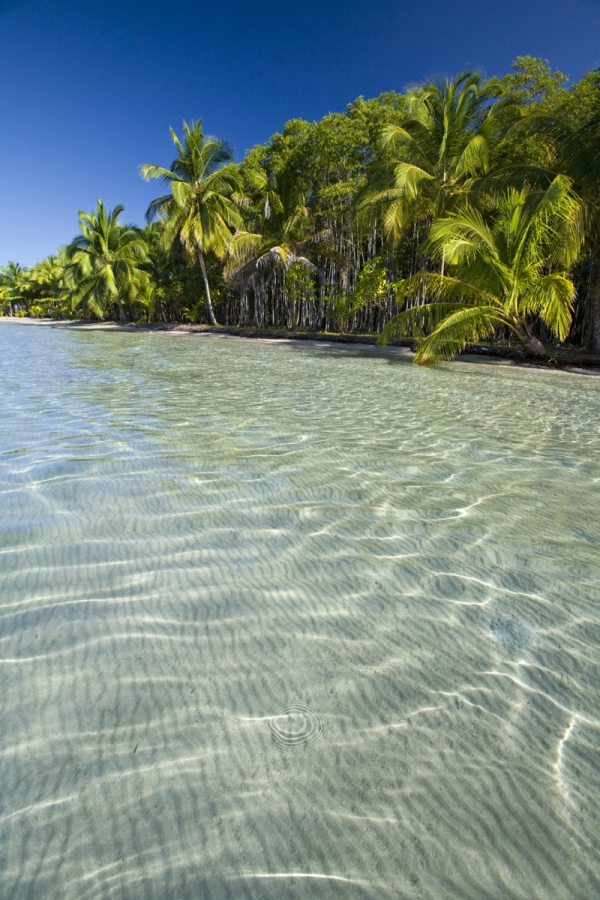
(277, 621)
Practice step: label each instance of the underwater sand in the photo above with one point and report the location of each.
(287, 621)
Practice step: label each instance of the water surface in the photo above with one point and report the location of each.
(280, 621)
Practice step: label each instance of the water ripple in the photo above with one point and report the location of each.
(193, 533)
(295, 727)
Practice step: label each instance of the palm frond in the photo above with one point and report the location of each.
(443, 288)
(456, 331)
(412, 321)
(474, 158)
(552, 297)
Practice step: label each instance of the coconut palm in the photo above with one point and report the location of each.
(572, 149)
(105, 262)
(201, 210)
(46, 282)
(427, 164)
(12, 279)
(285, 247)
(501, 274)
(284, 232)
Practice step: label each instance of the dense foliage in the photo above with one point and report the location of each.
(463, 209)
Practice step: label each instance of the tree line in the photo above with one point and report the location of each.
(461, 210)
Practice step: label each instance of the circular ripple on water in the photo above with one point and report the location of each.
(296, 726)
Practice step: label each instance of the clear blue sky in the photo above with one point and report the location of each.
(89, 90)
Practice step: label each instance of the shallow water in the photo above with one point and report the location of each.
(280, 621)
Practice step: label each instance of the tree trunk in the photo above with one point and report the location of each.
(10, 309)
(594, 302)
(532, 346)
(122, 316)
(211, 312)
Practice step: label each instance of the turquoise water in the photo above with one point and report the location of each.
(287, 621)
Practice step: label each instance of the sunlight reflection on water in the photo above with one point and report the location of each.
(214, 552)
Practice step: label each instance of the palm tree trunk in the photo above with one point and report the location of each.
(122, 316)
(532, 346)
(211, 312)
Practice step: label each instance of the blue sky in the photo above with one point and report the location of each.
(89, 90)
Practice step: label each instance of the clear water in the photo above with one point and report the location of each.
(281, 621)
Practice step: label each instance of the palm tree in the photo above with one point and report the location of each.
(105, 262)
(572, 149)
(200, 211)
(500, 274)
(12, 278)
(285, 246)
(427, 164)
(283, 221)
(46, 281)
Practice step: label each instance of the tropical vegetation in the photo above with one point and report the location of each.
(462, 210)
(499, 274)
(199, 213)
(104, 263)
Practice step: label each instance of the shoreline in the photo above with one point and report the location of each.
(587, 365)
